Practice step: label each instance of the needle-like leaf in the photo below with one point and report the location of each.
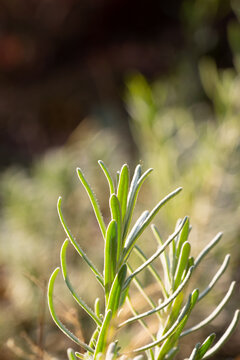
(103, 334)
(71, 354)
(116, 215)
(110, 256)
(108, 176)
(183, 236)
(97, 307)
(216, 277)
(93, 200)
(75, 244)
(173, 339)
(62, 327)
(80, 356)
(122, 190)
(205, 346)
(83, 305)
(175, 310)
(225, 336)
(214, 314)
(206, 250)
(116, 289)
(182, 263)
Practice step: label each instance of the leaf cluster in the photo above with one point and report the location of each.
(120, 240)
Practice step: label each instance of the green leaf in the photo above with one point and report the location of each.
(97, 307)
(93, 200)
(194, 298)
(190, 262)
(122, 191)
(75, 244)
(110, 256)
(173, 256)
(62, 327)
(116, 215)
(80, 356)
(182, 263)
(182, 237)
(108, 176)
(102, 338)
(172, 339)
(205, 346)
(175, 310)
(116, 289)
(80, 302)
(71, 355)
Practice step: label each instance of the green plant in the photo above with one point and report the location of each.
(172, 310)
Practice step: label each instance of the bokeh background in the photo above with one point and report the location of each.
(152, 82)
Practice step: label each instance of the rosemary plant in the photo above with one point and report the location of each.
(120, 240)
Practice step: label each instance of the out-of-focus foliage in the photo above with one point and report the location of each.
(186, 124)
(29, 231)
(192, 139)
(193, 144)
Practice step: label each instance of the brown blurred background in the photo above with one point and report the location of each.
(63, 60)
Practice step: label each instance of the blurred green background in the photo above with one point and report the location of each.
(156, 83)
